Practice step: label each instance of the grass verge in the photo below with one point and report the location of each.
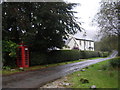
(102, 75)
(16, 70)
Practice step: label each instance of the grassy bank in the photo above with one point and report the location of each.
(102, 75)
(9, 71)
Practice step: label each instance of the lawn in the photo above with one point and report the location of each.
(101, 75)
(16, 70)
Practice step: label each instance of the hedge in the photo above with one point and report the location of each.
(90, 54)
(64, 55)
(38, 58)
(103, 54)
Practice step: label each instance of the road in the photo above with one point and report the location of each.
(34, 79)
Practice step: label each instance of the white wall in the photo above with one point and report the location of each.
(85, 45)
(82, 45)
(72, 44)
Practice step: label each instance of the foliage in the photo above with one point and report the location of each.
(38, 58)
(107, 43)
(64, 55)
(107, 17)
(90, 54)
(105, 54)
(108, 20)
(9, 52)
(9, 46)
(6, 67)
(115, 62)
(42, 25)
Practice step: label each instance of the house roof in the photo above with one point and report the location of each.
(84, 39)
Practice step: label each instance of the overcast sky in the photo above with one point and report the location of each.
(86, 12)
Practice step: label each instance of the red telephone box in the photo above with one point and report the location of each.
(22, 56)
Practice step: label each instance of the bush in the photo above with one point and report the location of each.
(9, 53)
(70, 55)
(6, 67)
(115, 62)
(90, 54)
(37, 58)
(63, 55)
(103, 54)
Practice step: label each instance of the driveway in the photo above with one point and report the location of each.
(34, 79)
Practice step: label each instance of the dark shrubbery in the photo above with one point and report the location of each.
(90, 54)
(37, 58)
(103, 54)
(9, 53)
(115, 62)
(64, 55)
(56, 56)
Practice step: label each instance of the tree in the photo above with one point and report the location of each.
(107, 43)
(42, 25)
(108, 20)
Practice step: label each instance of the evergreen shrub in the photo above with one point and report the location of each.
(37, 58)
(70, 55)
(64, 55)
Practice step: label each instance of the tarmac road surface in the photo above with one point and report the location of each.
(34, 79)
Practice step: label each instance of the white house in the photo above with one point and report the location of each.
(81, 44)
